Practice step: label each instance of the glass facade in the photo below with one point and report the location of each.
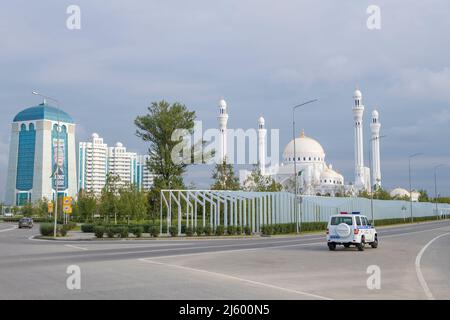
(25, 159)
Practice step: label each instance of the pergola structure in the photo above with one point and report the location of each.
(227, 208)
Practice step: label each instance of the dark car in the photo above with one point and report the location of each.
(25, 223)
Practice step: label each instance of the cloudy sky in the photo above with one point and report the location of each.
(261, 56)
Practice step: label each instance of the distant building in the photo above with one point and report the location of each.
(97, 160)
(92, 164)
(403, 193)
(37, 145)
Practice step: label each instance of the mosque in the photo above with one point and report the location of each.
(315, 175)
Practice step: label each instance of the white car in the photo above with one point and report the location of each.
(351, 229)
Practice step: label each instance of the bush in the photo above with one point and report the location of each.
(239, 230)
(220, 230)
(247, 230)
(87, 227)
(71, 225)
(137, 231)
(62, 230)
(199, 230)
(189, 231)
(99, 231)
(154, 231)
(207, 230)
(173, 231)
(231, 230)
(267, 230)
(110, 232)
(46, 229)
(121, 231)
(146, 228)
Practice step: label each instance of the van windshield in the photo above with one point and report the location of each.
(338, 220)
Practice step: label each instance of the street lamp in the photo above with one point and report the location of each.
(57, 157)
(372, 186)
(410, 188)
(435, 186)
(295, 156)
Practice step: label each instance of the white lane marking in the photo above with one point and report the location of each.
(223, 275)
(4, 230)
(412, 232)
(422, 281)
(233, 250)
(75, 247)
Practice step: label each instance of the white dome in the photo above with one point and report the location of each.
(95, 135)
(222, 104)
(357, 94)
(119, 145)
(306, 149)
(329, 174)
(399, 192)
(375, 114)
(261, 120)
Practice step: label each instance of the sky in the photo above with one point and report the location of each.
(262, 56)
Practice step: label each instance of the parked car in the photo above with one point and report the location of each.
(351, 230)
(25, 223)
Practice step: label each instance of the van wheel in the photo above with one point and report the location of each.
(332, 246)
(360, 246)
(346, 245)
(374, 244)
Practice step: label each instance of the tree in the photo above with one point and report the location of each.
(132, 204)
(224, 177)
(256, 181)
(382, 194)
(109, 197)
(87, 205)
(157, 128)
(423, 197)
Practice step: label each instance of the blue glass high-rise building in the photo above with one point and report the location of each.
(33, 155)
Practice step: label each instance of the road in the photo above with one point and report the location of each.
(413, 260)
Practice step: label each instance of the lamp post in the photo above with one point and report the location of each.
(55, 174)
(295, 157)
(372, 186)
(410, 188)
(435, 187)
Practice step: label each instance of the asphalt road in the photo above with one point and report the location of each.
(413, 263)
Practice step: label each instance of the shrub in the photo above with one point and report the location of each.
(87, 227)
(71, 225)
(99, 231)
(62, 230)
(267, 230)
(121, 231)
(231, 230)
(200, 230)
(173, 231)
(239, 230)
(110, 232)
(220, 230)
(247, 230)
(146, 228)
(154, 231)
(137, 231)
(189, 231)
(46, 229)
(208, 230)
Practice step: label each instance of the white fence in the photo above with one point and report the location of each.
(193, 208)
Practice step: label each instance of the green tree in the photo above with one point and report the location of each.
(256, 181)
(86, 205)
(158, 128)
(224, 177)
(382, 194)
(109, 197)
(132, 204)
(423, 197)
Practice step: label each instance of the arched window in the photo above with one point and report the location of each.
(23, 127)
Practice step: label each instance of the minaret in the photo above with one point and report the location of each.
(262, 145)
(358, 110)
(223, 119)
(376, 169)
